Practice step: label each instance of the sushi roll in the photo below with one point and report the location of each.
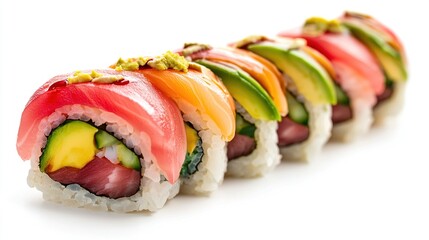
(103, 139)
(207, 109)
(309, 93)
(260, 102)
(358, 77)
(390, 54)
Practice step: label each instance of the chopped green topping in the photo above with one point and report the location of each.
(194, 152)
(282, 43)
(191, 48)
(356, 15)
(169, 60)
(316, 26)
(195, 66)
(79, 77)
(290, 44)
(249, 40)
(107, 79)
(95, 77)
(334, 26)
(131, 64)
(244, 127)
(95, 74)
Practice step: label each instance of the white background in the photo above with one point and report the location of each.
(374, 188)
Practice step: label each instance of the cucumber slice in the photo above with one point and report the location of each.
(104, 139)
(297, 111)
(127, 157)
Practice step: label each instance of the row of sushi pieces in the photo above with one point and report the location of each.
(130, 137)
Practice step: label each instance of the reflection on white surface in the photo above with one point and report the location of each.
(374, 188)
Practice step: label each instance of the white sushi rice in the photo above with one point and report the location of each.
(391, 106)
(154, 189)
(211, 169)
(319, 125)
(362, 101)
(357, 126)
(266, 155)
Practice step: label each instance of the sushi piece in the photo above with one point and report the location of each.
(207, 109)
(359, 79)
(390, 54)
(103, 139)
(309, 93)
(256, 87)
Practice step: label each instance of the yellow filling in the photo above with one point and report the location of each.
(75, 150)
(191, 139)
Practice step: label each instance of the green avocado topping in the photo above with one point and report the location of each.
(243, 43)
(131, 64)
(95, 77)
(316, 26)
(190, 48)
(168, 60)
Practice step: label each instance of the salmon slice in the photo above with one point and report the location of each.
(200, 89)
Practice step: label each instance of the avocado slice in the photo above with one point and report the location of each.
(312, 81)
(245, 90)
(297, 111)
(389, 58)
(69, 145)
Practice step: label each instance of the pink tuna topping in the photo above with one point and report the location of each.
(137, 102)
